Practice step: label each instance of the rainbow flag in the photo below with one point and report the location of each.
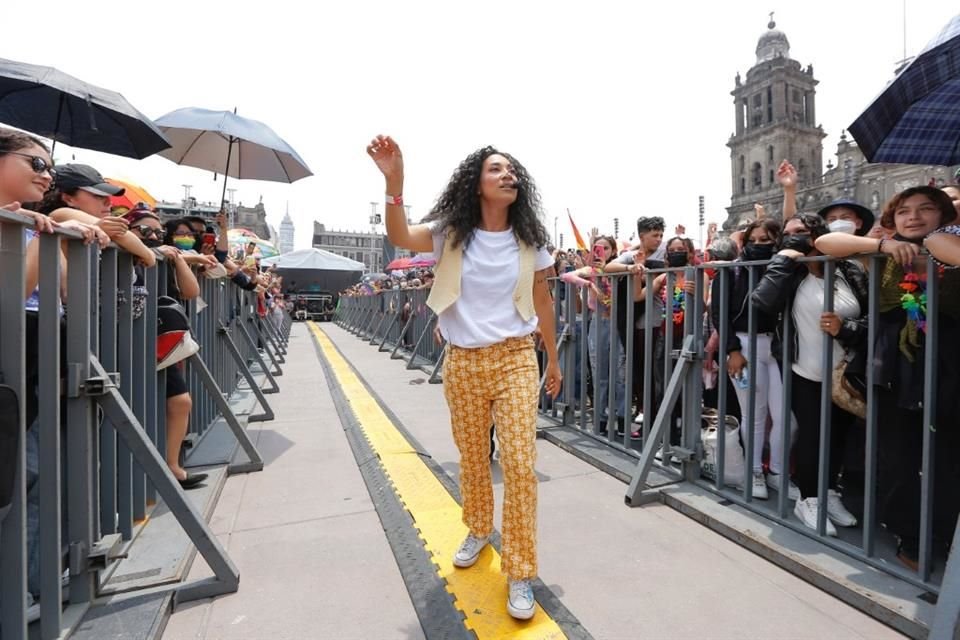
(581, 245)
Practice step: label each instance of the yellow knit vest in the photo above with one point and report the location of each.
(446, 284)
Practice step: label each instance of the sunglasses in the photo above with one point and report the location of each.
(145, 231)
(38, 164)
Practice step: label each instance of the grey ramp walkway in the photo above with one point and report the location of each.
(313, 559)
(626, 573)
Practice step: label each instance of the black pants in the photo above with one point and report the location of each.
(805, 403)
(640, 368)
(901, 457)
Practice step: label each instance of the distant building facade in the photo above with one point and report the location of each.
(252, 218)
(775, 119)
(362, 246)
(286, 234)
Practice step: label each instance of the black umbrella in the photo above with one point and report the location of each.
(916, 120)
(58, 106)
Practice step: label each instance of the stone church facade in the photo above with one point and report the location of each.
(775, 119)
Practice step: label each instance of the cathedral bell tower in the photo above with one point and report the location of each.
(775, 118)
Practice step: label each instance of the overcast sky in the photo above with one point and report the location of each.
(616, 108)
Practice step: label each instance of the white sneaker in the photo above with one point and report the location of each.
(469, 551)
(837, 512)
(807, 510)
(759, 486)
(773, 481)
(521, 603)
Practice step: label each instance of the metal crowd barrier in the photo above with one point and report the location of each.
(100, 466)
(673, 388)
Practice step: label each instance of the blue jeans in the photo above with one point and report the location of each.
(598, 346)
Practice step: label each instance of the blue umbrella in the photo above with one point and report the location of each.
(223, 142)
(916, 120)
(58, 106)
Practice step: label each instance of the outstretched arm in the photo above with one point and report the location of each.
(787, 177)
(386, 155)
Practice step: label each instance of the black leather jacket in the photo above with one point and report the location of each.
(738, 297)
(776, 290)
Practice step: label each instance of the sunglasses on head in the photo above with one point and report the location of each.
(38, 164)
(145, 231)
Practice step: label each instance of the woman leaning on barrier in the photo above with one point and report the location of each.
(796, 290)
(490, 290)
(761, 369)
(79, 193)
(599, 332)
(919, 216)
(25, 174)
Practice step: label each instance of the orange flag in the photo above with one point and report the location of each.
(576, 234)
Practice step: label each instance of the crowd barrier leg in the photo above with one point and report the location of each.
(660, 428)
(276, 371)
(263, 329)
(274, 387)
(406, 327)
(270, 333)
(255, 461)
(226, 578)
(267, 413)
(394, 316)
(427, 334)
(374, 324)
(435, 377)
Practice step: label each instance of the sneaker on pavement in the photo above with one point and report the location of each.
(773, 481)
(469, 551)
(837, 512)
(759, 486)
(806, 510)
(521, 603)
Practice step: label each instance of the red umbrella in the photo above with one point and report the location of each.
(399, 264)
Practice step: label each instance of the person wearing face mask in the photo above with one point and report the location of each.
(795, 289)
(182, 285)
(847, 216)
(920, 217)
(761, 369)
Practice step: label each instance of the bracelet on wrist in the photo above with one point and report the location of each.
(396, 201)
(880, 245)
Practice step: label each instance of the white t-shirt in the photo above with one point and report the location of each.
(485, 312)
(807, 307)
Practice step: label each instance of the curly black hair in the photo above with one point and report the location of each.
(458, 207)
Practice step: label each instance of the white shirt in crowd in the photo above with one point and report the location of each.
(485, 312)
(807, 307)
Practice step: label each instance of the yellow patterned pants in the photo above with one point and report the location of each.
(497, 385)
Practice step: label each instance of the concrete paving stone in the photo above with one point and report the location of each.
(333, 578)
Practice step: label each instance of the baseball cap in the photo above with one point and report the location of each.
(71, 177)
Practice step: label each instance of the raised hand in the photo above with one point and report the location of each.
(759, 211)
(385, 153)
(787, 175)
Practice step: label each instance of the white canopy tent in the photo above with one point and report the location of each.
(313, 259)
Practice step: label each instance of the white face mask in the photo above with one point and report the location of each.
(843, 226)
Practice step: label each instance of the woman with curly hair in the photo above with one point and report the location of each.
(490, 294)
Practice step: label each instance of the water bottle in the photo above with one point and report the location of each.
(743, 380)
